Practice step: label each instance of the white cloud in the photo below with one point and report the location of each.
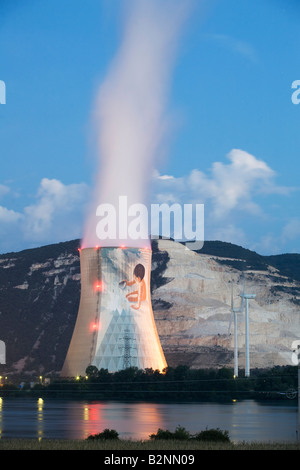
(8, 216)
(229, 187)
(230, 192)
(9, 229)
(55, 215)
(234, 193)
(58, 207)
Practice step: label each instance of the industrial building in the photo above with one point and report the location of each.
(115, 327)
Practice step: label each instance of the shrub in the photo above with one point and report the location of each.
(107, 434)
(180, 434)
(213, 435)
(161, 434)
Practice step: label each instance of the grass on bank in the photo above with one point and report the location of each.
(130, 445)
(163, 440)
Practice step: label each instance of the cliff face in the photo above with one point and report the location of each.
(191, 296)
(194, 328)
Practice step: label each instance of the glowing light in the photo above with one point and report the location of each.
(122, 247)
(98, 286)
(94, 326)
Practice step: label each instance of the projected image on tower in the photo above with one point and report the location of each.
(115, 327)
(127, 334)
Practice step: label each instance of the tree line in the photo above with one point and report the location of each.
(173, 384)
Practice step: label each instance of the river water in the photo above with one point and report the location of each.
(245, 420)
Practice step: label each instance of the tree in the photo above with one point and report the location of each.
(91, 372)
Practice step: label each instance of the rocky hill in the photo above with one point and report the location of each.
(191, 297)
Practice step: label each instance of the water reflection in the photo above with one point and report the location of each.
(40, 418)
(63, 419)
(130, 420)
(93, 417)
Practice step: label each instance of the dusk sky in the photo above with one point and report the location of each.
(233, 137)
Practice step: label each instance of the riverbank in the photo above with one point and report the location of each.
(180, 384)
(131, 445)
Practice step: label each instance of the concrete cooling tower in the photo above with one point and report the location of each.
(115, 327)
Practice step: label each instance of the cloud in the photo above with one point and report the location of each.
(229, 187)
(55, 215)
(291, 231)
(236, 45)
(277, 241)
(57, 210)
(3, 190)
(233, 193)
(10, 221)
(8, 216)
(232, 186)
(230, 233)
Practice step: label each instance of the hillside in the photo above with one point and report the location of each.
(191, 292)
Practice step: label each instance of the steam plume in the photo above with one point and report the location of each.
(130, 112)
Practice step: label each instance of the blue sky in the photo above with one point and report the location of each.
(235, 137)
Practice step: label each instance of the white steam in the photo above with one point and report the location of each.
(131, 109)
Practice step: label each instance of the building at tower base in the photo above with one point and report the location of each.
(115, 327)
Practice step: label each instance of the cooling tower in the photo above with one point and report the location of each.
(115, 327)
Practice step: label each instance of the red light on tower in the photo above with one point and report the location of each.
(98, 286)
(94, 326)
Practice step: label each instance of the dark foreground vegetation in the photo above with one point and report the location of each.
(175, 384)
(180, 434)
(147, 445)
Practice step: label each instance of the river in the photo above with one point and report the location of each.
(245, 420)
